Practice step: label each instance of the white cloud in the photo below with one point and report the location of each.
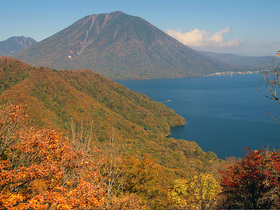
(203, 38)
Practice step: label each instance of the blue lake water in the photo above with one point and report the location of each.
(223, 114)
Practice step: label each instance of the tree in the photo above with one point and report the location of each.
(12, 119)
(42, 170)
(145, 178)
(252, 182)
(197, 192)
(271, 78)
(111, 169)
(110, 160)
(128, 201)
(141, 175)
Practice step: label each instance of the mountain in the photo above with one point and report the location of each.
(88, 104)
(248, 61)
(121, 46)
(15, 45)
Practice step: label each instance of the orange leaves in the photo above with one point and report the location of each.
(9, 200)
(45, 145)
(41, 178)
(130, 201)
(41, 169)
(91, 196)
(12, 118)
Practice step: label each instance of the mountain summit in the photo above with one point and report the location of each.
(15, 44)
(120, 46)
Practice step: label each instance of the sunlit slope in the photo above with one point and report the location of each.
(90, 104)
(121, 46)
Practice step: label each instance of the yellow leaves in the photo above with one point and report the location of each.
(63, 207)
(141, 175)
(198, 192)
(8, 200)
(278, 52)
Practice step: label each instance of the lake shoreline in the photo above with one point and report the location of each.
(225, 73)
(175, 126)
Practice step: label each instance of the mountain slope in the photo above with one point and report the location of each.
(15, 45)
(87, 103)
(120, 46)
(72, 90)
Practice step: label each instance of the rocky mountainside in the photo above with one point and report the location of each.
(15, 45)
(121, 46)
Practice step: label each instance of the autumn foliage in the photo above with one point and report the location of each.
(92, 105)
(196, 192)
(94, 110)
(252, 182)
(39, 169)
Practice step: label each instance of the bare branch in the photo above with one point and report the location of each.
(272, 116)
(271, 78)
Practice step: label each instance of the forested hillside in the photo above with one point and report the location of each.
(82, 103)
(98, 114)
(76, 140)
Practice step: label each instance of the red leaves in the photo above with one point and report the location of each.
(252, 182)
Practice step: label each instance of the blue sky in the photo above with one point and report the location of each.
(245, 27)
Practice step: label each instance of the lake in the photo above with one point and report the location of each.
(223, 114)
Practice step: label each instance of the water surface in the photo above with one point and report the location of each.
(223, 114)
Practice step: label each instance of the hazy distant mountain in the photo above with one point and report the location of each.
(120, 46)
(15, 45)
(249, 61)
